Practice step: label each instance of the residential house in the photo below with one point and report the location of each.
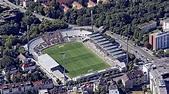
(43, 84)
(91, 4)
(76, 5)
(15, 87)
(11, 69)
(18, 74)
(22, 58)
(28, 66)
(46, 4)
(147, 26)
(166, 24)
(65, 8)
(133, 78)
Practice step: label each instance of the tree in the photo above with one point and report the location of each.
(21, 50)
(147, 45)
(6, 61)
(135, 60)
(131, 57)
(31, 6)
(166, 53)
(160, 53)
(144, 87)
(8, 77)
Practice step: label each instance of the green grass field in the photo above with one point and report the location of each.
(80, 60)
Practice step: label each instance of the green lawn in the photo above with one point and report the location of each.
(79, 59)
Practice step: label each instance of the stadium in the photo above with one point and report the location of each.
(80, 61)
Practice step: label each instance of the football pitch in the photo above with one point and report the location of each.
(80, 60)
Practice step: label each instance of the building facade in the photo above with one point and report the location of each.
(159, 40)
(147, 26)
(133, 78)
(166, 25)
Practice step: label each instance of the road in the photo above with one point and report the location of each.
(132, 48)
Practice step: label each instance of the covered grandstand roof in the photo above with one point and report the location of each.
(47, 62)
(117, 53)
(120, 55)
(100, 40)
(110, 47)
(94, 35)
(97, 38)
(70, 32)
(104, 42)
(114, 50)
(107, 45)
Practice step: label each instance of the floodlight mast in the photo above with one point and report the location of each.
(92, 20)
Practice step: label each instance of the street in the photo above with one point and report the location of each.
(138, 51)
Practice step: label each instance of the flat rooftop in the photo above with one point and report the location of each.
(104, 42)
(166, 20)
(110, 47)
(146, 24)
(159, 33)
(47, 61)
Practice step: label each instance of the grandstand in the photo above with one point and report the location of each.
(38, 44)
(49, 39)
(106, 46)
(51, 66)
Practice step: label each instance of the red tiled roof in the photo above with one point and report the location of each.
(65, 7)
(37, 83)
(28, 65)
(13, 85)
(16, 75)
(91, 3)
(63, 1)
(78, 6)
(134, 74)
(46, 4)
(25, 65)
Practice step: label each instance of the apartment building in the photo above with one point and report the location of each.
(15, 87)
(159, 40)
(147, 26)
(166, 24)
(91, 4)
(133, 78)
